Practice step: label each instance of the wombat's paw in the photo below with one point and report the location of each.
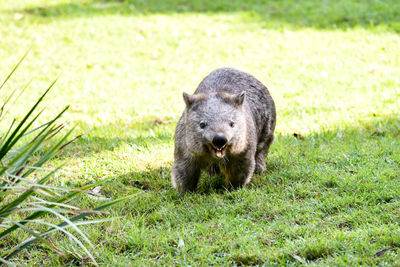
(213, 169)
(182, 191)
(260, 168)
(184, 188)
(184, 178)
(234, 185)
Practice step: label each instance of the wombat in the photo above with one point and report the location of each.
(228, 125)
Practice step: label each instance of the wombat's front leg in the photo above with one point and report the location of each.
(262, 153)
(238, 171)
(185, 175)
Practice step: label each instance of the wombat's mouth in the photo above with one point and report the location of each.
(218, 152)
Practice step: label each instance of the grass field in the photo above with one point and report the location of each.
(330, 197)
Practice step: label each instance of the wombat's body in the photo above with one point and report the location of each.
(228, 122)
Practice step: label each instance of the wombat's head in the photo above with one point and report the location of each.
(215, 124)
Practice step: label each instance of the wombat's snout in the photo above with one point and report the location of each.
(219, 141)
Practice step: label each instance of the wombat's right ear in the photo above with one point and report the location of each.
(189, 99)
(239, 98)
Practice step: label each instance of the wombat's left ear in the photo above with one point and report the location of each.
(239, 98)
(189, 99)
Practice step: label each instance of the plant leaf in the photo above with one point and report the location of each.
(14, 69)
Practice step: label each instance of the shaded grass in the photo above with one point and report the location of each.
(310, 13)
(330, 198)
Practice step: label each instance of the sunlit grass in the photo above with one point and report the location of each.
(331, 198)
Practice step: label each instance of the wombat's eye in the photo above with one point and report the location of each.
(203, 124)
(232, 124)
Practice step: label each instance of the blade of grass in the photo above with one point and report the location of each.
(108, 204)
(12, 155)
(22, 157)
(4, 137)
(41, 201)
(67, 221)
(37, 144)
(46, 125)
(57, 213)
(37, 128)
(6, 102)
(8, 263)
(49, 154)
(37, 185)
(40, 237)
(78, 217)
(11, 140)
(14, 69)
(10, 165)
(75, 138)
(35, 235)
(24, 195)
(9, 98)
(61, 200)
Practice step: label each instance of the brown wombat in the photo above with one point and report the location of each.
(228, 125)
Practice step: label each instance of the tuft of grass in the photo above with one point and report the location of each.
(328, 197)
(27, 199)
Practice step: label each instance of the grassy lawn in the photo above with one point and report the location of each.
(329, 196)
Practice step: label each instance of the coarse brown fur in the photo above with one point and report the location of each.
(228, 125)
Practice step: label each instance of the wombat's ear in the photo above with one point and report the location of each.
(189, 99)
(239, 98)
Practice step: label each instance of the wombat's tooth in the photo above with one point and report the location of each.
(218, 153)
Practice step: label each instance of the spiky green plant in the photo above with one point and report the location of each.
(27, 201)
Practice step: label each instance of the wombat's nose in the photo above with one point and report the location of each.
(219, 141)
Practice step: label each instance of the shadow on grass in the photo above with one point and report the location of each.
(311, 13)
(343, 151)
(146, 134)
(153, 180)
(318, 193)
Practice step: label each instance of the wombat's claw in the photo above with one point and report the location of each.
(259, 170)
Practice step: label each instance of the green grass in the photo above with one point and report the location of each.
(333, 68)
